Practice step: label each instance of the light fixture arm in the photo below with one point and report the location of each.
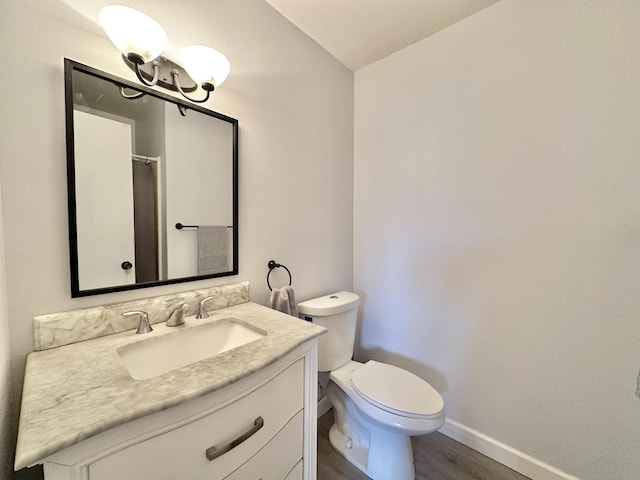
(156, 73)
(207, 87)
(131, 97)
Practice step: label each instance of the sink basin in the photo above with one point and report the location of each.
(154, 356)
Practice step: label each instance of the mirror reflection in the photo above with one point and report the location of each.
(152, 186)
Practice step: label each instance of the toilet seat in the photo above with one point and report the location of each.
(389, 419)
(396, 391)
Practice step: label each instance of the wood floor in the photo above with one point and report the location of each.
(436, 457)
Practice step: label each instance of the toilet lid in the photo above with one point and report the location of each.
(396, 390)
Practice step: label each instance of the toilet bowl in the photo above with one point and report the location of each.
(377, 407)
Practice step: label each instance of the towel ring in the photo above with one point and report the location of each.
(273, 265)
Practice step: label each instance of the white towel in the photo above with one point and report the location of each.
(284, 300)
(213, 249)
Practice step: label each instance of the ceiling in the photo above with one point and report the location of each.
(360, 32)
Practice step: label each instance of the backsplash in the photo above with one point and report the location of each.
(57, 329)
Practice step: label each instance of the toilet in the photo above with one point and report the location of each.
(377, 407)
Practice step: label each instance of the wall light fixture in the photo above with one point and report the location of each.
(142, 40)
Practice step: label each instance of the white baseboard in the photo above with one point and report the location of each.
(504, 454)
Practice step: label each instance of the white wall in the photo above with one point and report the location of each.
(294, 103)
(497, 225)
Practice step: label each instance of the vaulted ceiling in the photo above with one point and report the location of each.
(360, 32)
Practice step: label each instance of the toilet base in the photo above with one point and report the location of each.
(379, 453)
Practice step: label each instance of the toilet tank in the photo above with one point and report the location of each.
(337, 313)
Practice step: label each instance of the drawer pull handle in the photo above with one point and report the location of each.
(214, 452)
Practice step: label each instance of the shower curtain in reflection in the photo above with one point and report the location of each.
(146, 221)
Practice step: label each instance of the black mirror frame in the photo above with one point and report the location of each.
(69, 67)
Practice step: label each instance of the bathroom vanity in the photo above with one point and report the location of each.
(248, 412)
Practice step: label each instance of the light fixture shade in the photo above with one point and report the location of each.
(205, 65)
(133, 32)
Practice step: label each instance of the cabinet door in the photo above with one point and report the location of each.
(277, 460)
(181, 454)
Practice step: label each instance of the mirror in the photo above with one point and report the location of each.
(152, 186)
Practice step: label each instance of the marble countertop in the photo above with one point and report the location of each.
(77, 391)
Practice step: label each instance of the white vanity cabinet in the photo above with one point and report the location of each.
(260, 427)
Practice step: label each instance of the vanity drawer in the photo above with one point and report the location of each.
(278, 458)
(181, 453)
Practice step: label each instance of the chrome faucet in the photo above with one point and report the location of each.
(177, 317)
(202, 311)
(144, 326)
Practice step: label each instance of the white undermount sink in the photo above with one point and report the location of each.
(154, 356)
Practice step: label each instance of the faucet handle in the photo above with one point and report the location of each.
(202, 311)
(144, 326)
(177, 317)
